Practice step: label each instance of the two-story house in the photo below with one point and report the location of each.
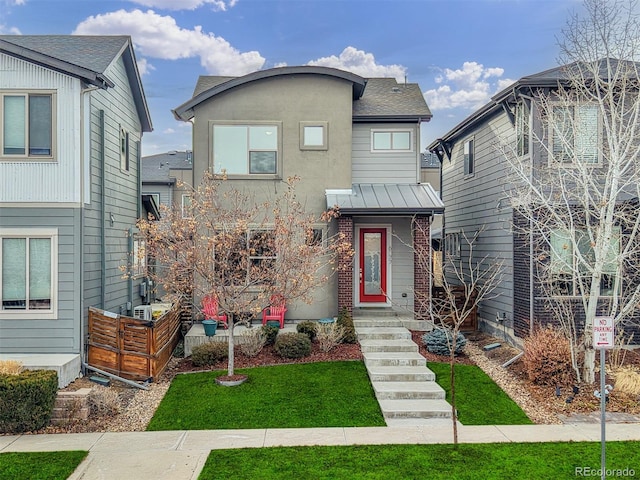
(543, 129)
(167, 176)
(73, 112)
(354, 142)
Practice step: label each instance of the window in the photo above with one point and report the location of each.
(186, 206)
(391, 140)
(522, 128)
(452, 245)
(313, 135)
(246, 149)
(566, 269)
(575, 134)
(246, 258)
(28, 271)
(124, 149)
(156, 198)
(315, 237)
(469, 157)
(27, 125)
(139, 260)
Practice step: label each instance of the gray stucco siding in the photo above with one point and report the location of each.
(61, 334)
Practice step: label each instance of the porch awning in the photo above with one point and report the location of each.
(386, 199)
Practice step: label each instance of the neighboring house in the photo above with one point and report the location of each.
(353, 141)
(168, 177)
(73, 115)
(474, 173)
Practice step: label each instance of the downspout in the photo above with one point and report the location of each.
(103, 215)
(130, 274)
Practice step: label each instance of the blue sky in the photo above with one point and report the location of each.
(460, 52)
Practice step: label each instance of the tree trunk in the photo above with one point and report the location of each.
(230, 366)
(589, 367)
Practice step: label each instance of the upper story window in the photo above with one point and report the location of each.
(391, 140)
(246, 149)
(28, 272)
(522, 128)
(575, 133)
(124, 150)
(186, 207)
(313, 136)
(27, 125)
(469, 157)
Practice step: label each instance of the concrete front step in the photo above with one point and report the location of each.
(377, 322)
(400, 374)
(430, 408)
(402, 345)
(408, 390)
(383, 333)
(394, 359)
(418, 325)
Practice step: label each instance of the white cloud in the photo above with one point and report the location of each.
(361, 63)
(218, 5)
(4, 30)
(144, 67)
(468, 87)
(168, 130)
(159, 36)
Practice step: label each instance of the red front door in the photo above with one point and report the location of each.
(373, 265)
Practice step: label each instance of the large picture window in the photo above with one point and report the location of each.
(247, 258)
(567, 269)
(27, 125)
(575, 134)
(28, 271)
(246, 149)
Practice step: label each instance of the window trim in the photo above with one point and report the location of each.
(52, 234)
(469, 159)
(552, 127)
(125, 150)
(392, 131)
(27, 157)
(573, 268)
(523, 128)
(248, 124)
(325, 134)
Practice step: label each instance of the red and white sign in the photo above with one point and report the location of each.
(603, 332)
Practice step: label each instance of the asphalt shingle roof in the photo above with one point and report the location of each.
(94, 53)
(156, 168)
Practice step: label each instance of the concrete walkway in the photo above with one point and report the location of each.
(179, 455)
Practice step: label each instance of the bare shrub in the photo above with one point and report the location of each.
(328, 336)
(547, 358)
(618, 354)
(253, 340)
(104, 401)
(627, 380)
(10, 367)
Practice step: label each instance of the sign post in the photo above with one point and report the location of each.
(603, 338)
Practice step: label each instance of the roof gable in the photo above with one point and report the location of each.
(84, 57)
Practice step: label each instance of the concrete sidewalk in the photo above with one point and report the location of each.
(181, 455)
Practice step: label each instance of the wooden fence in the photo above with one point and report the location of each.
(132, 348)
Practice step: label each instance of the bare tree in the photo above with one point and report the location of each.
(468, 279)
(241, 251)
(578, 191)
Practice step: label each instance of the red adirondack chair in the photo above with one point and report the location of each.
(210, 310)
(275, 311)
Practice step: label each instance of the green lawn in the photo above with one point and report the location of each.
(478, 399)
(39, 465)
(513, 461)
(324, 394)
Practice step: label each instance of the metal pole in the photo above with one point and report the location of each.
(603, 401)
